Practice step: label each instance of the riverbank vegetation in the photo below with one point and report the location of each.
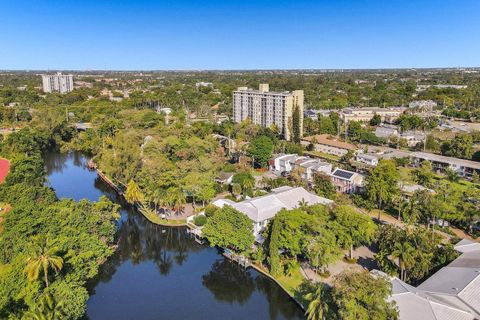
(49, 248)
(167, 162)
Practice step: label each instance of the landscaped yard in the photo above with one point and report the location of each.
(406, 177)
(291, 282)
(319, 154)
(153, 218)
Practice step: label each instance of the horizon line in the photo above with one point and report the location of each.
(247, 69)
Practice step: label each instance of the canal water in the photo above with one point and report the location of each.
(159, 272)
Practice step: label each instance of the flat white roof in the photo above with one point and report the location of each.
(448, 160)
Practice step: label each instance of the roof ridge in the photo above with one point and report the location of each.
(432, 301)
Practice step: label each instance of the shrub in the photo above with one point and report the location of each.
(210, 210)
(200, 220)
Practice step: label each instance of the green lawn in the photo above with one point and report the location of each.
(406, 176)
(153, 218)
(322, 155)
(291, 282)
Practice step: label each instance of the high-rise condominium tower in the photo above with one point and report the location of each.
(57, 83)
(268, 108)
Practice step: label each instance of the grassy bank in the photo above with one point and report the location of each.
(153, 218)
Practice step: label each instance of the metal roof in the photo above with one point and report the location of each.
(266, 207)
(450, 280)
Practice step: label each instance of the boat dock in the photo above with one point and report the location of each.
(195, 232)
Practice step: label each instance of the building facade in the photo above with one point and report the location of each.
(347, 181)
(464, 168)
(285, 163)
(261, 210)
(328, 144)
(366, 114)
(267, 108)
(57, 83)
(368, 159)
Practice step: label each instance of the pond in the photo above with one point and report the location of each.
(160, 272)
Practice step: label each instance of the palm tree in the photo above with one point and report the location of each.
(236, 189)
(179, 200)
(405, 254)
(157, 198)
(317, 306)
(452, 175)
(133, 193)
(43, 258)
(303, 204)
(229, 131)
(46, 309)
(248, 185)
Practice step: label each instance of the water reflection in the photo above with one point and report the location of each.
(229, 282)
(160, 272)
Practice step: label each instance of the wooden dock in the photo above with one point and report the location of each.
(195, 233)
(109, 182)
(241, 260)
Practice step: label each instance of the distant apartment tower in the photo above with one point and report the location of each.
(57, 83)
(266, 108)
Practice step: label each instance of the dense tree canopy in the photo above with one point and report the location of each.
(381, 183)
(360, 296)
(229, 228)
(49, 248)
(260, 149)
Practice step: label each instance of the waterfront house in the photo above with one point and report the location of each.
(347, 181)
(262, 209)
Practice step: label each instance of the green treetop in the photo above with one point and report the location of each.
(229, 228)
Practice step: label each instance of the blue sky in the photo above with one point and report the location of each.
(230, 34)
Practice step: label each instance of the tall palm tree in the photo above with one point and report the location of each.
(43, 258)
(229, 131)
(317, 306)
(179, 200)
(46, 309)
(157, 198)
(405, 254)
